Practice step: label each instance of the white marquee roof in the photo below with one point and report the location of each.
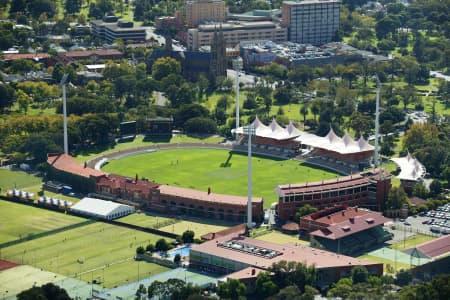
(100, 208)
(411, 168)
(331, 141)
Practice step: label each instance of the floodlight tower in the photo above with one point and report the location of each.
(249, 130)
(63, 85)
(237, 65)
(377, 121)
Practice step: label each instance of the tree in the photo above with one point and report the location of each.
(282, 95)
(264, 285)
(359, 274)
(150, 248)
(189, 111)
(140, 250)
(309, 293)
(404, 277)
(200, 125)
(39, 7)
(161, 245)
(304, 210)
(396, 198)
(141, 293)
(420, 191)
(341, 289)
(435, 187)
(6, 96)
(188, 236)
(48, 291)
(73, 6)
(293, 273)
(231, 289)
(164, 290)
(165, 66)
(291, 292)
(304, 112)
(177, 259)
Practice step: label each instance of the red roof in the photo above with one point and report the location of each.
(337, 216)
(290, 252)
(117, 181)
(205, 196)
(349, 224)
(435, 248)
(236, 230)
(14, 56)
(67, 163)
(245, 274)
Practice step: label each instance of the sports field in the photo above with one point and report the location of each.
(88, 248)
(223, 171)
(18, 220)
(281, 238)
(199, 228)
(145, 220)
(17, 179)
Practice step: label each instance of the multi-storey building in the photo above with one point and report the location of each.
(111, 29)
(198, 11)
(311, 21)
(233, 33)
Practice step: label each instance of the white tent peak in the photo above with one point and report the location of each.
(347, 139)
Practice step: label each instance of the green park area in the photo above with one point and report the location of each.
(149, 221)
(20, 221)
(91, 251)
(223, 171)
(282, 238)
(198, 227)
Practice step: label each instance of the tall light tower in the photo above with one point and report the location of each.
(249, 131)
(377, 121)
(63, 85)
(237, 65)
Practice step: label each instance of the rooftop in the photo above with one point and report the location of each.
(205, 196)
(121, 182)
(67, 163)
(436, 248)
(411, 168)
(289, 252)
(87, 53)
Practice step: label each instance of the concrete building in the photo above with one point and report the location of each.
(234, 33)
(233, 253)
(198, 11)
(111, 29)
(311, 21)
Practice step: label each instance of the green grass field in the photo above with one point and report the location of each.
(18, 179)
(411, 242)
(102, 248)
(199, 228)
(281, 238)
(201, 168)
(17, 220)
(397, 266)
(145, 220)
(139, 141)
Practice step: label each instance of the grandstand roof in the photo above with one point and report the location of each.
(101, 208)
(67, 163)
(411, 168)
(330, 142)
(435, 248)
(121, 182)
(289, 252)
(205, 196)
(347, 222)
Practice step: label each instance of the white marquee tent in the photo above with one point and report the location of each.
(101, 209)
(411, 168)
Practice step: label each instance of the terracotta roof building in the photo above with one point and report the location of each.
(345, 230)
(228, 254)
(434, 249)
(368, 189)
(95, 55)
(204, 203)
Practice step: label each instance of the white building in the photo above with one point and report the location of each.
(101, 209)
(311, 21)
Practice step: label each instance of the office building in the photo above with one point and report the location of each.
(111, 29)
(311, 21)
(199, 11)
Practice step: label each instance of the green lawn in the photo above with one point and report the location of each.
(201, 168)
(411, 242)
(398, 266)
(199, 228)
(17, 179)
(98, 246)
(17, 220)
(139, 141)
(145, 220)
(281, 238)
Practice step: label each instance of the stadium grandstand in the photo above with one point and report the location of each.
(101, 209)
(411, 171)
(368, 189)
(344, 155)
(345, 230)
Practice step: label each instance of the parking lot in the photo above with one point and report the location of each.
(433, 222)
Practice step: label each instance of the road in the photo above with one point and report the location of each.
(246, 79)
(438, 74)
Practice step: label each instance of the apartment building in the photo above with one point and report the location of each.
(311, 21)
(236, 32)
(198, 11)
